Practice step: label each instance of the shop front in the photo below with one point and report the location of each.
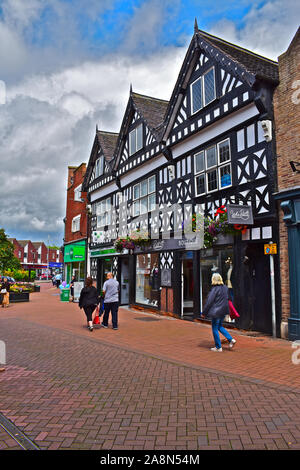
(74, 261)
(108, 260)
(176, 279)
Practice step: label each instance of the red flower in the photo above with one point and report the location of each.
(242, 228)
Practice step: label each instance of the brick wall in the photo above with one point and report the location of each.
(75, 208)
(287, 128)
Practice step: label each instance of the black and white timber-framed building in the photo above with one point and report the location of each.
(212, 144)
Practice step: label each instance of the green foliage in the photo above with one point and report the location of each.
(7, 257)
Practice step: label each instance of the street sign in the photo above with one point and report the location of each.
(270, 249)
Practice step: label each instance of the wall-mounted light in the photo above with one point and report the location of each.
(267, 128)
(171, 171)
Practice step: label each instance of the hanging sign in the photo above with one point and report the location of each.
(270, 249)
(238, 214)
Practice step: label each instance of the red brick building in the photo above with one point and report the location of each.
(42, 252)
(18, 249)
(75, 224)
(287, 128)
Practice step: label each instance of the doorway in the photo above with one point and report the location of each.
(124, 281)
(187, 285)
(104, 267)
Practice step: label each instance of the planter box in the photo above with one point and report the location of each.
(18, 297)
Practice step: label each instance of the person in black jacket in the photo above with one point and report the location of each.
(88, 300)
(216, 308)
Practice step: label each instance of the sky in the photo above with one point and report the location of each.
(67, 65)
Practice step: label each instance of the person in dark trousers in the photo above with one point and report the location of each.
(111, 290)
(216, 308)
(88, 300)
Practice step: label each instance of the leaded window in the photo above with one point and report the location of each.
(144, 196)
(213, 168)
(136, 139)
(103, 212)
(203, 90)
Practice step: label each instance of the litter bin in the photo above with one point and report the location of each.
(65, 295)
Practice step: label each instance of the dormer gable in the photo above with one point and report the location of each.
(213, 67)
(99, 165)
(140, 128)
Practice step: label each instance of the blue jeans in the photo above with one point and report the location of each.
(217, 327)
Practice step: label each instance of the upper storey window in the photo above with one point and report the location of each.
(136, 139)
(99, 167)
(203, 90)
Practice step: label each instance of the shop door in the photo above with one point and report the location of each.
(187, 286)
(260, 300)
(104, 267)
(125, 281)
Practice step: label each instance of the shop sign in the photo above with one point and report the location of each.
(109, 251)
(238, 214)
(55, 265)
(166, 278)
(74, 253)
(195, 243)
(270, 249)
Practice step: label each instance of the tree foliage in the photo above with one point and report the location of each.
(7, 257)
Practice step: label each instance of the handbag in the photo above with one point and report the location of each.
(232, 311)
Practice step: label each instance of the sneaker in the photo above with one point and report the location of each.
(232, 343)
(104, 326)
(115, 328)
(91, 328)
(216, 349)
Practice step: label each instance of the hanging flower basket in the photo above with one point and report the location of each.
(130, 242)
(217, 230)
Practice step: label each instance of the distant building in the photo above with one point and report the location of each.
(75, 225)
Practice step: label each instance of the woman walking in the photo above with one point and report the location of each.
(5, 287)
(88, 300)
(216, 308)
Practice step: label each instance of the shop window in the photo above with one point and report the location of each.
(221, 262)
(147, 279)
(213, 168)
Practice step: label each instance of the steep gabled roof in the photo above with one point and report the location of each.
(247, 65)
(107, 142)
(152, 111)
(261, 67)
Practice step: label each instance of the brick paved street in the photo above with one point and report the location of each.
(153, 384)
